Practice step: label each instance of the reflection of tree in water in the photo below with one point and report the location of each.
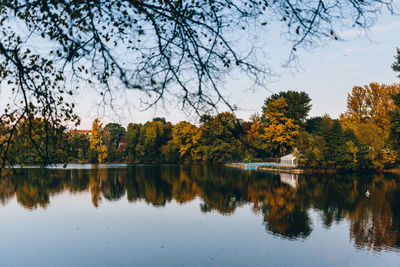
(33, 190)
(395, 204)
(113, 184)
(220, 190)
(283, 213)
(95, 188)
(78, 180)
(146, 183)
(7, 189)
(374, 221)
(110, 185)
(334, 196)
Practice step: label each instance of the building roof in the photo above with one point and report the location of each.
(288, 157)
(81, 131)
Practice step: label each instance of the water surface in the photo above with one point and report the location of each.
(118, 215)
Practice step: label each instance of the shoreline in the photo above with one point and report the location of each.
(267, 166)
(259, 166)
(296, 170)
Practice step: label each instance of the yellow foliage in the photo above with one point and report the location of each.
(370, 105)
(279, 133)
(353, 149)
(96, 141)
(103, 154)
(186, 137)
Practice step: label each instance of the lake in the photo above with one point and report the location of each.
(119, 215)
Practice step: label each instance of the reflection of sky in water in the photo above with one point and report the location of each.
(71, 232)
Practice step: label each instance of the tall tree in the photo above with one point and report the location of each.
(132, 140)
(96, 141)
(80, 145)
(151, 140)
(186, 137)
(278, 133)
(298, 104)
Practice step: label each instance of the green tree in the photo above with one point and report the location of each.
(113, 134)
(395, 123)
(80, 145)
(132, 140)
(250, 130)
(170, 153)
(150, 142)
(116, 132)
(39, 141)
(162, 120)
(343, 150)
(312, 149)
(220, 133)
(314, 125)
(396, 64)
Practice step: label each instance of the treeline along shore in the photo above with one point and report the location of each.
(365, 137)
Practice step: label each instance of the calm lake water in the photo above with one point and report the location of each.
(117, 215)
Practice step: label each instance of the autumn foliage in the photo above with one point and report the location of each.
(365, 137)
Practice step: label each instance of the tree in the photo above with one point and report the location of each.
(170, 153)
(116, 132)
(312, 150)
(149, 47)
(80, 145)
(150, 142)
(298, 104)
(371, 112)
(395, 123)
(186, 137)
(96, 141)
(132, 140)
(39, 141)
(162, 120)
(278, 133)
(314, 125)
(349, 149)
(223, 126)
(250, 131)
(396, 64)
(371, 104)
(220, 137)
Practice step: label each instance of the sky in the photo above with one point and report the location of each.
(327, 73)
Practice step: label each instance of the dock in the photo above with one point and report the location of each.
(266, 166)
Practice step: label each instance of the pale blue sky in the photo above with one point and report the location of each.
(327, 74)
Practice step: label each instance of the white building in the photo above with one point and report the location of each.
(289, 160)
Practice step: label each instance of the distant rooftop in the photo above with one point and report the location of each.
(81, 131)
